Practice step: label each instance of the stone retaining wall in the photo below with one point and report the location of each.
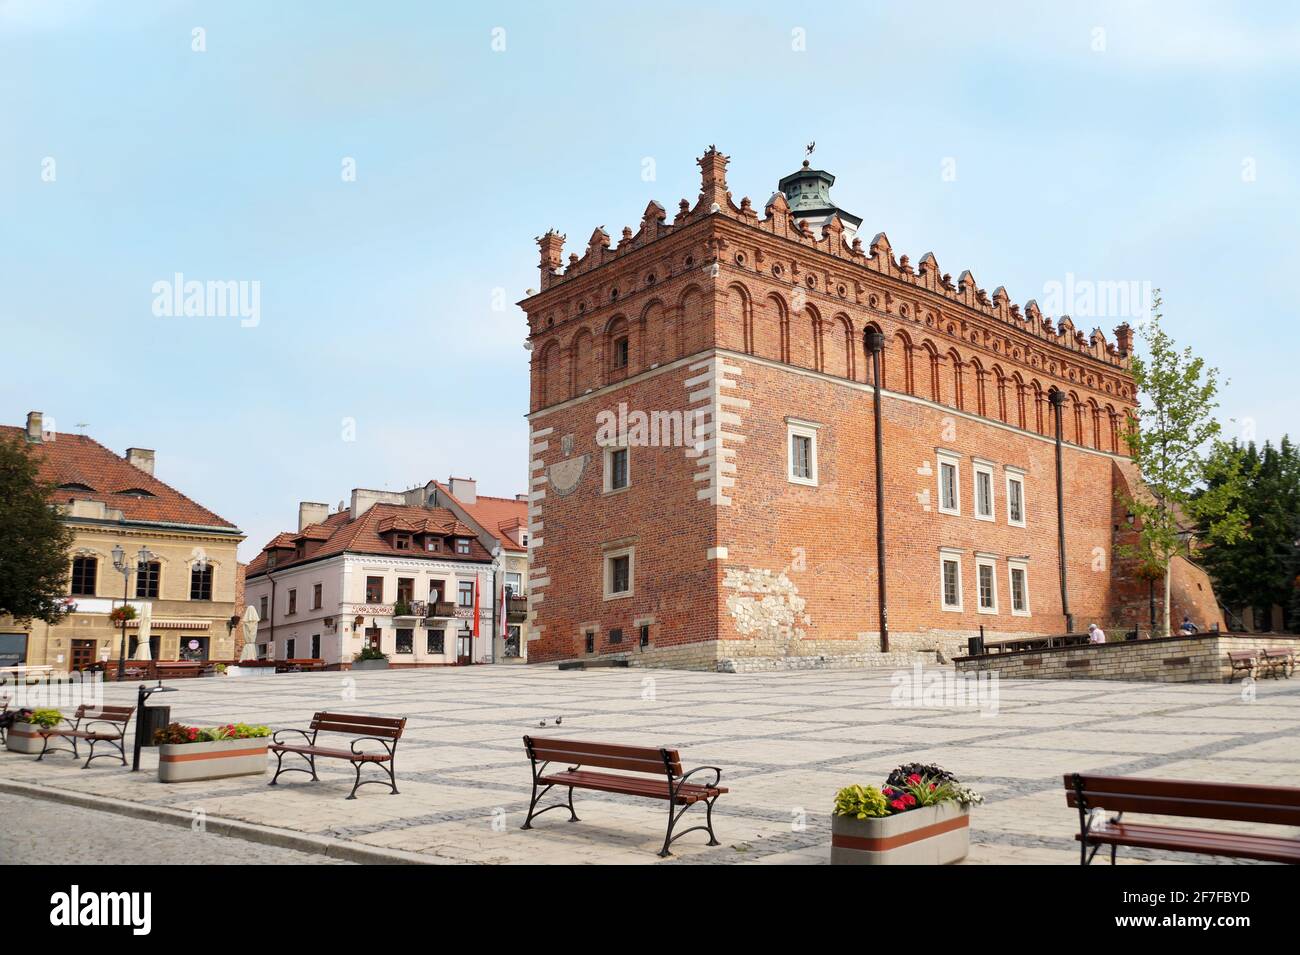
(755, 656)
(1199, 659)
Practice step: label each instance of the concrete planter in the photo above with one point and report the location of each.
(370, 664)
(185, 762)
(22, 738)
(930, 835)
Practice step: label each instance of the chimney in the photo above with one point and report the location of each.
(35, 426)
(310, 512)
(141, 458)
(521, 498)
(464, 490)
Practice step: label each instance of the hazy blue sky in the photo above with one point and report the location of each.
(1116, 141)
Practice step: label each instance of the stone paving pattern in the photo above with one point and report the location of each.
(785, 741)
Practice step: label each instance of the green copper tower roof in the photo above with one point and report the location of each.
(808, 192)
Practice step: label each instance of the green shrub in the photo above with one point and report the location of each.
(46, 718)
(860, 802)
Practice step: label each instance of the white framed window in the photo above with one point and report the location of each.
(986, 582)
(1015, 497)
(950, 581)
(801, 452)
(617, 473)
(983, 471)
(620, 571)
(949, 483)
(462, 545)
(1018, 579)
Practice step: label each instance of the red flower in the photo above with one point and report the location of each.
(899, 805)
(932, 785)
(910, 799)
(914, 778)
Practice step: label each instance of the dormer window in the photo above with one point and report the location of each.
(402, 541)
(433, 544)
(136, 492)
(76, 486)
(462, 545)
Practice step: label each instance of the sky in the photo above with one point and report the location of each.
(377, 174)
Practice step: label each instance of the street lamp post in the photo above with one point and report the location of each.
(121, 565)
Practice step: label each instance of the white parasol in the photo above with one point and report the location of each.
(142, 634)
(251, 620)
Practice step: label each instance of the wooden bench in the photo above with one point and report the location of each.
(1274, 805)
(1278, 661)
(658, 776)
(299, 665)
(1242, 661)
(380, 729)
(81, 727)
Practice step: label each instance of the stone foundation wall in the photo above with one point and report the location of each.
(756, 656)
(1199, 659)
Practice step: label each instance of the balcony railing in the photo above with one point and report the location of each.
(440, 609)
(405, 609)
(517, 610)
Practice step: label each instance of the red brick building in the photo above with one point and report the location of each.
(703, 444)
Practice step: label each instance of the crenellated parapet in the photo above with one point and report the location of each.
(875, 259)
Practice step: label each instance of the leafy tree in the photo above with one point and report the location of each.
(1174, 441)
(1259, 569)
(34, 542)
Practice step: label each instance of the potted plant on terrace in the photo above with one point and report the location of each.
(187, 753)
(920, 816)
(23, 735)
(370, 658)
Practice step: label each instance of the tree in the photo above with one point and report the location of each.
(34, 542)
(1257, 570)
(1174, 441)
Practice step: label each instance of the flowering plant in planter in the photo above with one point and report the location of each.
(23, 733)
(44, 718)
(189, 753)
(920, 815)
(177, 733)
(121, 614)
(370, 653)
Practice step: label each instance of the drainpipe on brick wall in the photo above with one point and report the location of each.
(875, 342)
(1057, 397)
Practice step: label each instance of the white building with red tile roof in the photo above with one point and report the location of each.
(504, 520)
(413, 573)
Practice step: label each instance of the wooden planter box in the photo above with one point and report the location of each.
(930, 835)
(22, 738)
(370, 664)
(185, 762)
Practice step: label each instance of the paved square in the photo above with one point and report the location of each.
(785, 742)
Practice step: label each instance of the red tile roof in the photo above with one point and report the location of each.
(362, 536)
(497, 515)
(74, 459)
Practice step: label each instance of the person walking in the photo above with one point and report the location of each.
(1096, 634)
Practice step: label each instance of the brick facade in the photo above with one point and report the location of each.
(749, 328)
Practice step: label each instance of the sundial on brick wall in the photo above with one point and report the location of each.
(565, 475)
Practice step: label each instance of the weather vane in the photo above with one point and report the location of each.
(808, 150)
